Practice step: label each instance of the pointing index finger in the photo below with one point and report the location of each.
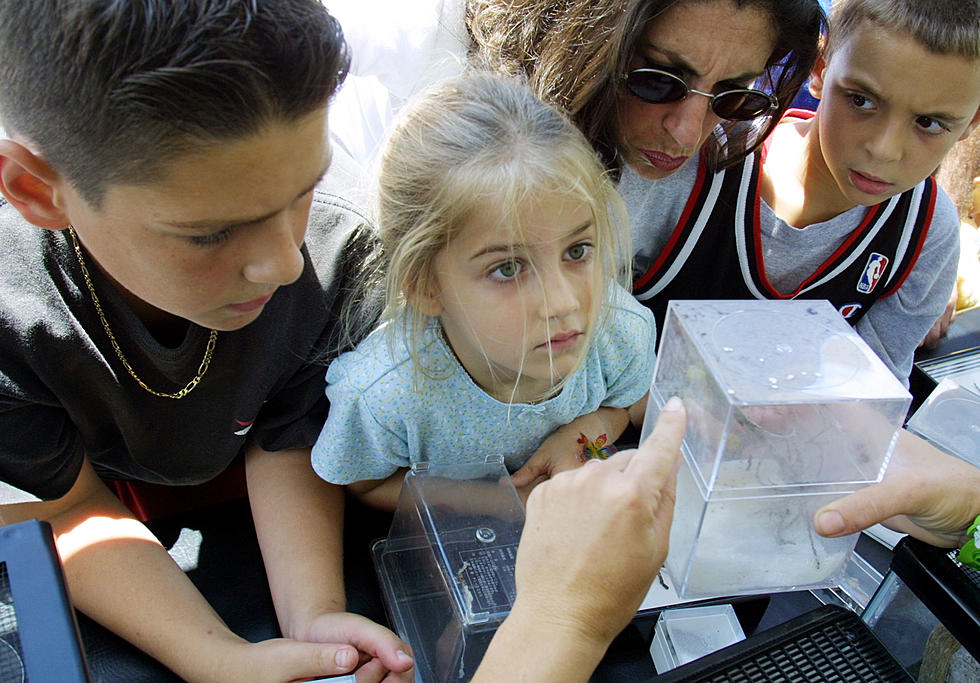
(656, 458)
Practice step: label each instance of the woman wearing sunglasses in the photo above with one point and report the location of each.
(655, 83)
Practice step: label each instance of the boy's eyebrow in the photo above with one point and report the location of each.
(512, 247)
(213, 225)
(680, 61)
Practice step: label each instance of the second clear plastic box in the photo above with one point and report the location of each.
(950, 419)
(446, 567)
(787, 409)
(688, 633)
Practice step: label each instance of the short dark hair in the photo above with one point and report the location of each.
(110, 91)
(940, 26)
(575, 52)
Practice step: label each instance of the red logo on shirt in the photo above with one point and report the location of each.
(246, 426)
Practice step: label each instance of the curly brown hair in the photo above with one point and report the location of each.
(574, 53)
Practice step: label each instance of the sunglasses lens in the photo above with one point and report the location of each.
(655, 87)
(741, 105)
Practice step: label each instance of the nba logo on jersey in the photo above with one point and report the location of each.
(847, 310)
(872, 272)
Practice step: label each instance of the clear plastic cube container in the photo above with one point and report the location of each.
(950, 419)
(787, 409)
(684, 634)
(446, 568)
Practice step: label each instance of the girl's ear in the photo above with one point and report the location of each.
(31, 186)
(816, 77)
(425, 300)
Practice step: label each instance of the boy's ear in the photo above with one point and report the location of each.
(974, 122)
(30, 185)
(816, 77)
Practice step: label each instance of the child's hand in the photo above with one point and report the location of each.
(562, 450)
(572, 564)
(283, 659)
(558, 453)
(376, 653)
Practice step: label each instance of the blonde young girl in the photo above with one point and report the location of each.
(504, 321)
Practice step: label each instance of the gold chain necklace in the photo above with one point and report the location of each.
(208, 350)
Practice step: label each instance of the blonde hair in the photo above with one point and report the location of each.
(468, 142)
(940, 26)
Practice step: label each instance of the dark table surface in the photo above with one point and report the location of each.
(218, 549)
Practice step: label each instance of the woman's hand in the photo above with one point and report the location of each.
(593, 541)
(925, 493)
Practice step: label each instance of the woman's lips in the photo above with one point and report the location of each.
(663, 162)
(868, 184)
(252, 305)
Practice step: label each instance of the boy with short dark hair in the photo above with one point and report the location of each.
(164, 307)
(840, 205)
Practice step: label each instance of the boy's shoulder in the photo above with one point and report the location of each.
(338, 230)
(340, 224)
(31, 257)
(38, 300)
(945, 224)
(340, 201)
(785, 149)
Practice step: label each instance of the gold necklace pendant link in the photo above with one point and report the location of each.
(208, 350)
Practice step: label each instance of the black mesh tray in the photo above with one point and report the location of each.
(948, 589)
(830, 644)
(38, 633)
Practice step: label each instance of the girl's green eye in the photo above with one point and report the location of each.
(577, 252)
(506, 270)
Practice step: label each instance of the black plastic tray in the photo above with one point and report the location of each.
(38, 632)
(948, 589)
(829, 644)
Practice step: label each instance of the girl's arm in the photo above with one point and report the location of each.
(380, 493)
(638, 410)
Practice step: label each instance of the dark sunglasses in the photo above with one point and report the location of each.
(660, 87)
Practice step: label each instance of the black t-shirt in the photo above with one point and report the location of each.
(64, 395)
